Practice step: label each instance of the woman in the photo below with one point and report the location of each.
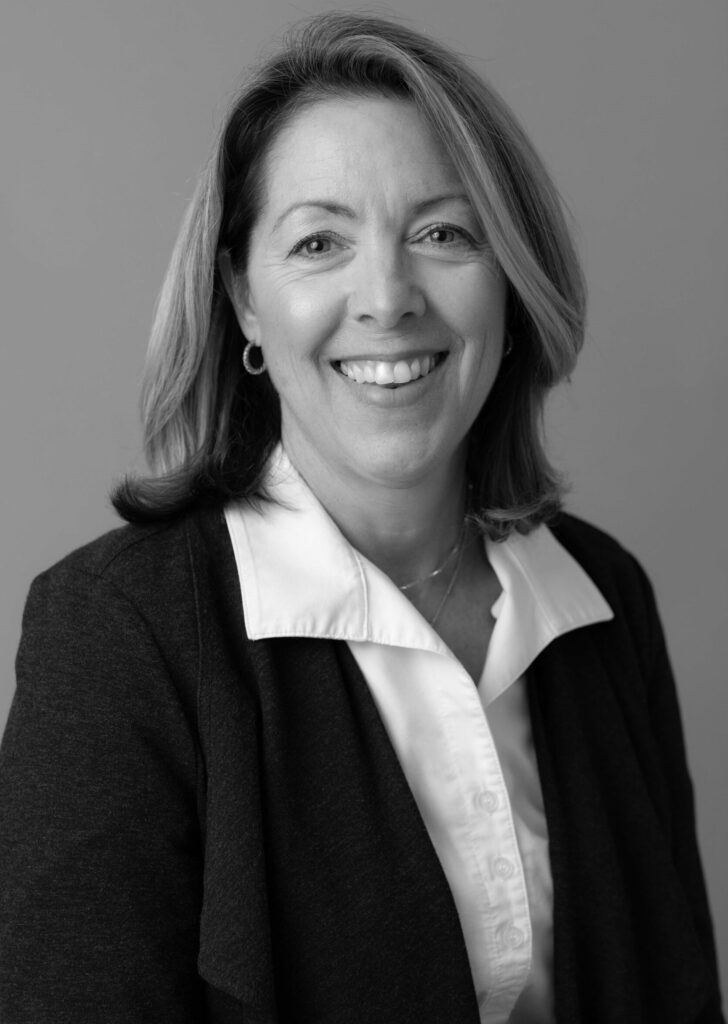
(340, 729)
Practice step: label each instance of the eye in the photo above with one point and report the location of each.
(447, 236)
(315, 245)
(442, 234)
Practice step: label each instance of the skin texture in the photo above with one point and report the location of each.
(367, 248)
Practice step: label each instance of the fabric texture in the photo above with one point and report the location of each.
(195, 827)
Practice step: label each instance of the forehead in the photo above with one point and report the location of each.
(357, 145)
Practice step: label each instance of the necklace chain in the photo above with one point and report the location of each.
(455, 549)
(451, 584)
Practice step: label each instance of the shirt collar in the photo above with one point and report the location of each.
(546, 593)
(299, 576)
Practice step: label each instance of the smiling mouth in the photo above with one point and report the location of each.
(389, 374)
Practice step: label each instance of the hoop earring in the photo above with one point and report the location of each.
(508, 346)
(254, 371)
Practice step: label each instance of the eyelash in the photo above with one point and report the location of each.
(460, 233)
(314, 237)
(298, 249)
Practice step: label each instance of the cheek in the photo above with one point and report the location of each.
(471, 301)
(488, 302)
(296, 322)
(482, 326)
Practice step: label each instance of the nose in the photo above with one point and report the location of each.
(384, 290)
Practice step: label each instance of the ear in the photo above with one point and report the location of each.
(238, 293)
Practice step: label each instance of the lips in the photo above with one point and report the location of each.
(389, 373)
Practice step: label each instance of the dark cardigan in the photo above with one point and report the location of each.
(199, 828)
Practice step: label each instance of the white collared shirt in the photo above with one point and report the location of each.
(466, 751)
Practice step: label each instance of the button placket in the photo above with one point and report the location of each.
(487, 800)
(511, 937)
(494, 834)
(503, 868)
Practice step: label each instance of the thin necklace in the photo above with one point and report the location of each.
(455, 549)
(451, 584)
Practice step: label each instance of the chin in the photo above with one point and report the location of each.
(402, 462)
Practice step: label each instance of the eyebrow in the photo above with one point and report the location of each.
(346, 211)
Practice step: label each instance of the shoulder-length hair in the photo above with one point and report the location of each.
(209, 427)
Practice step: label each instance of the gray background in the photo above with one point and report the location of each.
(108, 109)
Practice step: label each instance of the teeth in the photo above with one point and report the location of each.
(373, 371)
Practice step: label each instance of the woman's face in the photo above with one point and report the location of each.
(373, 293)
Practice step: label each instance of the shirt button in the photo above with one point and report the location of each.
(488, 801)
(512, 937)
(503, 868)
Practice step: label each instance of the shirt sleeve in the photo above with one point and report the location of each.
(100, 849)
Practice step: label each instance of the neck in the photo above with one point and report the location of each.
(405, 530)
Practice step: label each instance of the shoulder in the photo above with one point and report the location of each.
(152, 580)
(122, 553)
(600, 554)
(129, 606)
(133, 558)
(616, 572)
